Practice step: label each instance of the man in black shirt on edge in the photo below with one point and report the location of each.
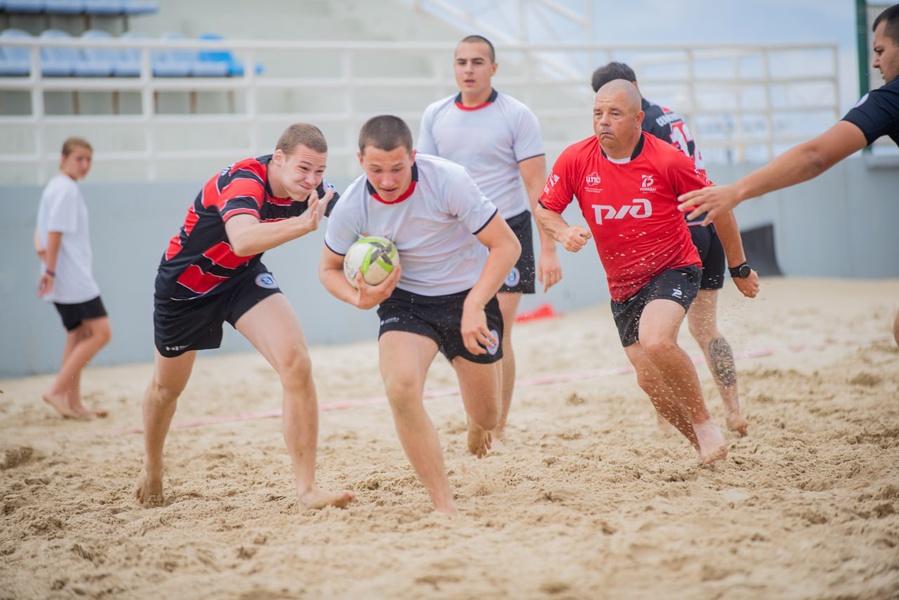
(875, 115)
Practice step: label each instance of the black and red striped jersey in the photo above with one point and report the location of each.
(199, 258)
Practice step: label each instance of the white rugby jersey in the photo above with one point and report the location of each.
(433, 226)
(489, 140)
(62, 208)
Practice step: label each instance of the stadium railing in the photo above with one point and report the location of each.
(742, 102)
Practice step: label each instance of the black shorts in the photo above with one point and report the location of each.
(680, 285)
(711, 253)
(440, 318)
(73, 315)
(183, 325)
(521, 279)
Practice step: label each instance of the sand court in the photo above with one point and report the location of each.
(586, 499)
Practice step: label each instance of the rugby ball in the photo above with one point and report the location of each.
(373, 256)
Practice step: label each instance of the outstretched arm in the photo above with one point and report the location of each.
(801, 163)
(249, 236)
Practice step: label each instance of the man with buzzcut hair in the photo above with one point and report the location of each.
(455, 252)
(212, 273)
(874, 116)
(702, 318)
(497, 138)
(626, 183)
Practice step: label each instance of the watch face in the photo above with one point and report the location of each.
(745, 270)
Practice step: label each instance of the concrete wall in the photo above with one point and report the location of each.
(843, 224)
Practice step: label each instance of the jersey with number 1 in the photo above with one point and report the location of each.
(630, 207)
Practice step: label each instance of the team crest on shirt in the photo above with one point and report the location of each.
(647, 184)
(513, 277)
(266, 281)
(493, 348)
(592, 182)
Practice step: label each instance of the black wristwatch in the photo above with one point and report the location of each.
(743, 270)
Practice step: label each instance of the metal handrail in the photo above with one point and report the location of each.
(561, 100)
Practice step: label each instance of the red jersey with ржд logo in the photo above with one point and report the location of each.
(630, 207)
(199, 258)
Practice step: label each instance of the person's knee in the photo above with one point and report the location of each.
(163, 394)
(294, 366)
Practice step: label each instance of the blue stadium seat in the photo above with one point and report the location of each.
(24, 7)
(63, 7)
(183, 62)
(235, 68)
(129, 65)
(97, 61)
(58, 61)
(104, 7)
(15, 61)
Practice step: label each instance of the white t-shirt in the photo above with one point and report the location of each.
(433, 228)
(489, 140)
(63, 209)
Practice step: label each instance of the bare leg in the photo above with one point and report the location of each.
(702, 320)
(170, 376)
(82, 344)
(405, 358)
(481, 389)
(274, 329)
(508, 304)
(896, 328)
(673, 383)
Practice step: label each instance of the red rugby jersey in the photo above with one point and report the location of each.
(199, 258)
(631, 208)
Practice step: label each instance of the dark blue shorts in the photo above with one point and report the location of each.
(680, 285)
(440, 318)
(73, 315)
(523, 276)
(183, 325)
(711, 253)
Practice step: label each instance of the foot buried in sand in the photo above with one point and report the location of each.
(479, 440)
(712, 446)
(316, 499)
(148, 490)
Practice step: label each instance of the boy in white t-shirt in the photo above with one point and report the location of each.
(455, 251)
(62, 241)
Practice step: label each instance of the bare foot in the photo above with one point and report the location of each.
(665, 426)
(87, 413)
(479, 440)
(315, 499)
(737, 422)
(712, 446)
(148, 490)
(61, 404)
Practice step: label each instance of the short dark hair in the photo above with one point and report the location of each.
(613, 70)
(890, 16)
(480, 39)
(302, 134)
(385, 132)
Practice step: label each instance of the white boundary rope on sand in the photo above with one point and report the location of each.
(373, 400)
